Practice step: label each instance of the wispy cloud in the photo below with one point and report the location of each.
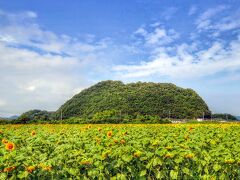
(17, 17)
(204, 19)
(192, 10)
(169, 12)
(159, 35)
(24, 31)
(184, 60)
(218, 20)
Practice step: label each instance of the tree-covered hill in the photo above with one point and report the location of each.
(224, 117)
(141, 98)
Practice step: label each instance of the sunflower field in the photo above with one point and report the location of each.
(183, 151)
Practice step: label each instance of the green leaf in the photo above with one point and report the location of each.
(222, 177)
(23, 174)
(143, 172)
(72, 171)
(186, 171)
(3, 175)
(127, 158)
(159, 175)
(157, 161)
(178, 160)
(217, 167)
(121, 177)
(173, 174)
(149, 165)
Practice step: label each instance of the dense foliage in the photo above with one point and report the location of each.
(113, 117)
(120, 151)
(104, 117)
(33, 116)
(155, 99)
(224, 117)
(4, 121)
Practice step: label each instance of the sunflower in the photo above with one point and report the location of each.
(33, 133)
(229, 161)
(109, 134)
(4, 141)
(47, 168)
(30, 169)
(137, 154)
(190, 128)
(189, 156)
(10, 146)
(9, 169)
(85, 162)
(169, 155)
(122, 141)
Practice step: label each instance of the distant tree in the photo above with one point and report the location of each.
(34, 115)
(224, 116)
(4, 121)
(24, 118)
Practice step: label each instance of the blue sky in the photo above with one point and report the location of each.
(51, 50)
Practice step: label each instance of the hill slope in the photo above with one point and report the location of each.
(143, 98)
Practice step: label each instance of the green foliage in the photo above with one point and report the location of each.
(105, 116)
(110, 151)
(155, 99)
(4, 121)
(124, 119)
(224, 117)
(34, 116)
(161, 100)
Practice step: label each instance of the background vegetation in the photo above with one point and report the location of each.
(162, 99)
(115, 102)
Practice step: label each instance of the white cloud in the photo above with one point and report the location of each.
(31, 14)
(188, 62)
(215, 20)
(41, 69)
(156, 36)
(141, 31)
(32, 80)
(19, 29)
(227, 23)
(17, 18)
(159, 36)
(204, 18)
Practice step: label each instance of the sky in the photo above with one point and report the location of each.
(51, 50)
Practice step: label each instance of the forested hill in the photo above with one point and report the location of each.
(161, 99)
